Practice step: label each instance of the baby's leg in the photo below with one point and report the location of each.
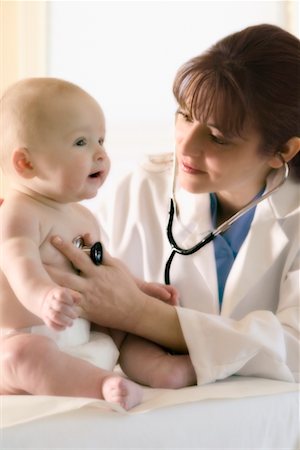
(151, 365)
(35, 365)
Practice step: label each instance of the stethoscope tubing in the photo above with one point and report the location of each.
(175, 248)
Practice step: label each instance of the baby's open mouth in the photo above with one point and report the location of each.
(95, 175)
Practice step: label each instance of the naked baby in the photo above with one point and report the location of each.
(52, 153)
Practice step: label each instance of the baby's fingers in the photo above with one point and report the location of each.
(67, 303)
(61, 309)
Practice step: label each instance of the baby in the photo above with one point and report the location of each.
(52, 153)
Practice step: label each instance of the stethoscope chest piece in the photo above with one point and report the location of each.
(95, 251)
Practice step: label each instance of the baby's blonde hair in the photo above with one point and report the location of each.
(22, 109)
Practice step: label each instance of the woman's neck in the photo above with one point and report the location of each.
(229, 204)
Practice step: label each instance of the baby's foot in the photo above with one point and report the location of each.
(119, 390)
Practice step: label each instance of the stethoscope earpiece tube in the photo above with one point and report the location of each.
(175, 248)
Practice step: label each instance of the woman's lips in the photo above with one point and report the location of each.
(187, 168)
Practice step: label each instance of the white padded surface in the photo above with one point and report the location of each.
(238, 413)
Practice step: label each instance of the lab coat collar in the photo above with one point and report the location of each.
(266, 238)
(193, 223)
(263, 244)
(194, 219)
(286, 200)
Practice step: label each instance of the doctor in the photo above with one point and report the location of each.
(237, 125)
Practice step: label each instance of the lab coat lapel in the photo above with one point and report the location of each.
(195, 223)
(264, 243)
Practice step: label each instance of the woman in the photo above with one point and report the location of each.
(237, 125)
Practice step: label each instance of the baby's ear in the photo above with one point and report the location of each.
(22, 163)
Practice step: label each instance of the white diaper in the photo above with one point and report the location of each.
(94, 347)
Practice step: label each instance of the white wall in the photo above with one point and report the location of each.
(126, 53)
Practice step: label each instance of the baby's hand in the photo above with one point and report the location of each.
(166, 293)
(59, 308)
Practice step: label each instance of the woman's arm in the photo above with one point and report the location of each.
(112, 299)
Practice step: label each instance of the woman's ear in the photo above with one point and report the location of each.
(288, 151)
(22, 163)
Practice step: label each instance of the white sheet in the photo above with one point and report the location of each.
(238, 413)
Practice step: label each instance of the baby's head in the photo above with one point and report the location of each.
(51, 139)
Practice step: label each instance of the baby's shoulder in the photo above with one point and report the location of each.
(18, 206)
(82, 211)
(83, 215)
(20, 216)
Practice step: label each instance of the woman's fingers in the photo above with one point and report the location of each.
(77, 257)
(87, 239)
(68, 280)
(110, 296)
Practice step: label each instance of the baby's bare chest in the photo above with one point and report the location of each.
(68, 227)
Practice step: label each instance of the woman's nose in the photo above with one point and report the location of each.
(192, 140)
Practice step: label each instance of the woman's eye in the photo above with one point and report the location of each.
(217, 139)
(80, 142)
(186, 117)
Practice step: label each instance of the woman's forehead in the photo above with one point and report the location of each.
(208, 103)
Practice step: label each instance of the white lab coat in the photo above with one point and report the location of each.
(256, 333)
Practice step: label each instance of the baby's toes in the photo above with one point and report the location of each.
(119, 390)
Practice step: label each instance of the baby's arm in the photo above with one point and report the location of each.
(21, 263)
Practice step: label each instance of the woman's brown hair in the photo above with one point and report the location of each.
(252, 76)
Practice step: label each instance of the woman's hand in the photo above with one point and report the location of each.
(166, 293)
(111, 298)
(110, 295)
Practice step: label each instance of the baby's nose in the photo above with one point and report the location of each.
(99, 153)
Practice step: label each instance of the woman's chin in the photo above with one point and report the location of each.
(194, 186)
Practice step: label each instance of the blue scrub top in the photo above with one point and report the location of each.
(227, 244)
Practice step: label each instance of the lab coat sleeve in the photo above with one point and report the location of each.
(220, 347)
(259, 334)
(261, 344)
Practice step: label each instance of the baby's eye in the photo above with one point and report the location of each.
(80, 142)
(101, 141)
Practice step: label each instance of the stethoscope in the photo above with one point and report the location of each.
(94, 251)
(274, 182)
